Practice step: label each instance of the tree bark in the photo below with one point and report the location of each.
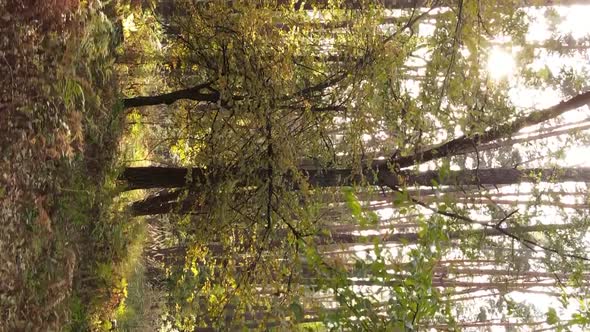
(468, 143)
(352, 239)
(161, 177)
(164, 203)
(175, 177)
(201, 92)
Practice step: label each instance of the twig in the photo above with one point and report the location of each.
(530, 244)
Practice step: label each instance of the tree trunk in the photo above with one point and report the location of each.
(176, 254)
(469, 143)
(155, 204)
(161, 177)
(352, 239)
(201, 92)
(164, 203)
(175, 177)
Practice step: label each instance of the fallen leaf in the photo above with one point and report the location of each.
(43, 217)
(52, 153)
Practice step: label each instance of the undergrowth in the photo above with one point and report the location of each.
(125, 301)
(67, 249)
(71, 255)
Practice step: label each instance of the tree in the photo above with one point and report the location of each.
(277, 111)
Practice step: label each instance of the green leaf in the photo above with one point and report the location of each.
(552, 317)
(297, 310)
(444, 170)
(373, 218)
(400, 198)
(353, 204)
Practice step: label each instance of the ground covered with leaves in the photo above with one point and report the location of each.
(60, 125)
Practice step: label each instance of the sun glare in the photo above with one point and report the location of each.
(500, 64)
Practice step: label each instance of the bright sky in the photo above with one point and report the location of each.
(502, 60)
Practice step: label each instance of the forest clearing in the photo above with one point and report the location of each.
(287, 165)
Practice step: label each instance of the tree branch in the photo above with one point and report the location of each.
(530, 244)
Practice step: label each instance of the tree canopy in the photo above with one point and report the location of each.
(357, 165)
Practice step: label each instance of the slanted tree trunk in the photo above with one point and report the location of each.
(469, 143)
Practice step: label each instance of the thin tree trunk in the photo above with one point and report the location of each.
(531, 137)
(155, 204)
(469, 143)
(344, 238)
(483, 325)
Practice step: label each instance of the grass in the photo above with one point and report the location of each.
(137, 305)
(141, 308)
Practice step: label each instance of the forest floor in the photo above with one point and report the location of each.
(66, 250)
